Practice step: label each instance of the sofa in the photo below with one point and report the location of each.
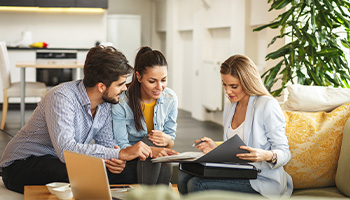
(304, 110)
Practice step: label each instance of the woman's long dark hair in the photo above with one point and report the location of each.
(145, 58)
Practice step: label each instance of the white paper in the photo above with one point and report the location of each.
(228, 165)
(181, 156)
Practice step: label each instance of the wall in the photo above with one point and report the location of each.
(186, 31)
(135, 7)
(191, 32)
(58, 29)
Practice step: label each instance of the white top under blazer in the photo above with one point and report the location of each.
(237, 131)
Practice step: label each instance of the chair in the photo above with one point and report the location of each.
(33, 89)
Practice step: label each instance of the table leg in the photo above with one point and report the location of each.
(23, 92)
(78, 75)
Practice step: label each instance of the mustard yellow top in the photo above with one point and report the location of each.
(148, 113)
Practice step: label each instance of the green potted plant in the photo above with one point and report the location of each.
(318, 32)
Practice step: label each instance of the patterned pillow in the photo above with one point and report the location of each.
(315, 141)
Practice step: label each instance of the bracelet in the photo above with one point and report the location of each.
(274, 157)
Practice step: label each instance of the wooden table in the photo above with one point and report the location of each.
(23, 66)
(40, 192)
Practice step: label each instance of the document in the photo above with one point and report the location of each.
(179, 157)
(228, 165)
(224, 153)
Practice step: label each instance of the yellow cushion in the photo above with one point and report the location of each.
(315, 141)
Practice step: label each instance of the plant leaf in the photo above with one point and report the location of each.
(272, 25)
(280, 4)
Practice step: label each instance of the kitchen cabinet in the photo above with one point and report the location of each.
(92, 4)
(57, 3)
(17, 2)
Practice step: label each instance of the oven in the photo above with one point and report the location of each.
(52, 77)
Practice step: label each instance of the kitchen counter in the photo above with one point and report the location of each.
(50, 48)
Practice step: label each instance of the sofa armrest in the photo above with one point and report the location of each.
(342, 178)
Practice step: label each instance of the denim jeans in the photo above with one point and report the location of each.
(149, 173)
(188, 183)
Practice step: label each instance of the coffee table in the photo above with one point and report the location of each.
(40, 192)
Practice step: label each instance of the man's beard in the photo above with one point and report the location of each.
(108, 99)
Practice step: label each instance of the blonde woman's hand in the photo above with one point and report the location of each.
(160, 139)
(255, 154)
(206, 145)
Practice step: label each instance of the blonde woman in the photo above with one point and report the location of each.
(257, 119)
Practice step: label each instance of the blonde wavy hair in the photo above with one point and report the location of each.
(241, 67)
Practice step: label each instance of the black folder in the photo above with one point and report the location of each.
(212, 171)
(222, 162)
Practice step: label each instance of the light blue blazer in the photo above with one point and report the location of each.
(264, 128)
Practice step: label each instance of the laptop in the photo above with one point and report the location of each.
(88, 177)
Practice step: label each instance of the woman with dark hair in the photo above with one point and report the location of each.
(256, 117)
(147, 112)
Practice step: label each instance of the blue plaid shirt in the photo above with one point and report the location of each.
(63, 121)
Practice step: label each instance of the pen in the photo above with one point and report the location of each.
(195, 144)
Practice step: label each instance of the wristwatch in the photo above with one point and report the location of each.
(274, 157)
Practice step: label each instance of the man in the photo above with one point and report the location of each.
(69, 117)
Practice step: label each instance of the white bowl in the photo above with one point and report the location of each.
(51, 186)
(63, 192)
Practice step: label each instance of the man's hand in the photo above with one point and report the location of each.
(138, 150)
(160, 152)
(115, 166)
(160, 139)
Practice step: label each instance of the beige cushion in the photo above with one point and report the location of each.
(342, 178)
(161, 192)
(319, 192)
(6, 194)
(315, 141)
(315, 98)
(33, 89)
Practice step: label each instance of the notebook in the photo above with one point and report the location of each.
(88, 177)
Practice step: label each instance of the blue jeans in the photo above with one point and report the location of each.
(188, 183)
(149, 173)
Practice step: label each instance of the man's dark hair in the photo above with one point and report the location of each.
(104, 64)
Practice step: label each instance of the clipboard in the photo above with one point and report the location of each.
(224, 153)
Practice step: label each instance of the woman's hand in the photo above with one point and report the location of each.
(207, 144)
(115, 166)
(160, 139)
(160, 152)
(255, 155)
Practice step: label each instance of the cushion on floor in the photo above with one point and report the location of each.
(6, 194)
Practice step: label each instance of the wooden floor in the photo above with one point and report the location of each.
(188, 130)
